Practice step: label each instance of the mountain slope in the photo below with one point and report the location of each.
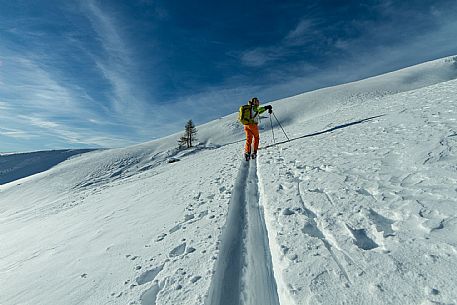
(366, 214)
(358, 208)
(17, 166)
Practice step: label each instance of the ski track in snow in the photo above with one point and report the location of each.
(244, 272)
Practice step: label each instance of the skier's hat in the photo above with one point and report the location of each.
(254, 100)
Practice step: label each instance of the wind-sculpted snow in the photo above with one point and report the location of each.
(360, 212)
(359, 208)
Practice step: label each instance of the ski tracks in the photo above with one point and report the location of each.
(244, 271)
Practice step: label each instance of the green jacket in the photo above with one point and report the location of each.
(253, 116)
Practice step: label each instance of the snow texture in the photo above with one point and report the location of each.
(17, 166)
(359, 207)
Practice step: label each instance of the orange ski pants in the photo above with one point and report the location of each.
(252, 132)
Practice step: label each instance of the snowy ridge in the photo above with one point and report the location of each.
(359, 208)
(306, 106)
(17, 166)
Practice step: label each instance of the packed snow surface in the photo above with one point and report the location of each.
(359, 207)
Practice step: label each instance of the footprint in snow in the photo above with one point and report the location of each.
(203, 214)
(363, 192)
(361, 239)
(149, 276)
(195, 279)
(175, 228)
(433, 224)
(149, 296)
(198, 195)
(190, 250)
(316, 190)
(383, 224)
(188, 217)
(177, 251)
(161, 237)
(287, 212)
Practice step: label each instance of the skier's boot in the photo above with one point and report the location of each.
(254, 155)
(247, 156)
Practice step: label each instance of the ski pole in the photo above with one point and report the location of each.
(271, 124)
(280, 126)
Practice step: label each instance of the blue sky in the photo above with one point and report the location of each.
(96, 73)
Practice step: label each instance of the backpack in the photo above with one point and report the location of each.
(244, 115)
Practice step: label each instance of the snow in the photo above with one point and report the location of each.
(244, 266)
(362, 209)
(358, 208)
(17, 166)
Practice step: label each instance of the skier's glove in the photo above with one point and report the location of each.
(270, 109)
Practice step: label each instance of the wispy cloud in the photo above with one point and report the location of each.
(16, 134)
(35, 104)
(117, 64)
(259, 57)
(39, 99)
(29, 87)
(132, 100)
(3, 105)
(302, 33)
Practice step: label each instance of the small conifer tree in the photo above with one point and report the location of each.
(189, 136)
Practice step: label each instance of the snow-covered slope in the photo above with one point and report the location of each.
(17, 166)
(358, 208)
(311, 104)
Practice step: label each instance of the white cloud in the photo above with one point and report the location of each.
(36, 103)
(342, 44)
(15, 133)
(304, 27)
(255, 58)
(28, 87)
(51, 132)
(4, 105)
(42, 123)
(118, 65)
(32, 100)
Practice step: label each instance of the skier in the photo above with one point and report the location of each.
(249, 117)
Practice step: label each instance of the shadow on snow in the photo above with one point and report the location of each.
(325, 131)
